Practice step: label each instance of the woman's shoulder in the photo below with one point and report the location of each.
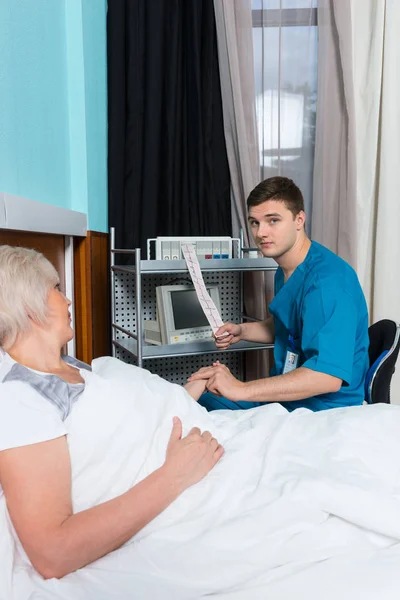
(17, 394)
(26, 417)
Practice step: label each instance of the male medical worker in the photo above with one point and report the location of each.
(318, 322)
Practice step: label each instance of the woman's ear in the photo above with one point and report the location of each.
(33, 318)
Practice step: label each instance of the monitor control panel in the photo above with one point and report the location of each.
(191, 335)
(170, 248)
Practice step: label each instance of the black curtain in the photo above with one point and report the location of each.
(167, 163)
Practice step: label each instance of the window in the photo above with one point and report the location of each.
(285, 61)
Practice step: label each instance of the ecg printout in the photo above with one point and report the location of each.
(207, 304)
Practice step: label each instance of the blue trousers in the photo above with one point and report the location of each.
(212, 402)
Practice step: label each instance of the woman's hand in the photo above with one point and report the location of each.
(189, 459)
(221, 382)
(228, 334)
(196, 388)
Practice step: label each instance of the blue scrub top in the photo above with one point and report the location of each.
(321, 314)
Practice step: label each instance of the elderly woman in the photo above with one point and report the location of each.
(40, 391)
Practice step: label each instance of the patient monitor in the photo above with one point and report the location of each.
(180, 317)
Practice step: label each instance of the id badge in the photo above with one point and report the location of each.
(292, 358)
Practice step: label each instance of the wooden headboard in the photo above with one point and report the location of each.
(91, 298)
(52, 246)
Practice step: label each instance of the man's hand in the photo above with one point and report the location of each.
(222, 340)
(189, 459)
(220, 381)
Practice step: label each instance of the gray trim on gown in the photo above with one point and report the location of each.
(54, 389)
(75, 362)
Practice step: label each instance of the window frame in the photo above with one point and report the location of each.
(285, 17)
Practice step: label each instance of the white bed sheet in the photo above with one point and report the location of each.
(303, 505)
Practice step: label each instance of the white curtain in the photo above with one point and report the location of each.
(356, 211)
(285, 52)
(267, 57)
(235, 55)
(236, 64)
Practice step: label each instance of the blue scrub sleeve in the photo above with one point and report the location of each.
(329, 332)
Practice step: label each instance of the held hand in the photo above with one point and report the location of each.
(189, 459)
(220, 381)
(222, 340)
(196, 388)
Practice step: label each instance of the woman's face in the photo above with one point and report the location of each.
(58, 316)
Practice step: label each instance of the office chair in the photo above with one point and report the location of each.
(384, 345)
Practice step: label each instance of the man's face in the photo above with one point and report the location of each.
(274, 227)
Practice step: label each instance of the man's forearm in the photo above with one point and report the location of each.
(259, 331)
(296, 385)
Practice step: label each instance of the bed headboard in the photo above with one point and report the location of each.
(52, 246)
(85, 282)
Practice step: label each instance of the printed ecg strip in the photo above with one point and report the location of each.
(208, 306)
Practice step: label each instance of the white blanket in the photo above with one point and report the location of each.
(302, 505)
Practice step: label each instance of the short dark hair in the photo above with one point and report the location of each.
(277, 188)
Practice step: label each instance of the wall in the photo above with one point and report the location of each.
(95, 61)
(34, 150)
(53, 113)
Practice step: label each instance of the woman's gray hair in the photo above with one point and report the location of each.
(26, 278)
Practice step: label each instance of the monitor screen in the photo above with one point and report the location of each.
(179, 313)
(187, 312)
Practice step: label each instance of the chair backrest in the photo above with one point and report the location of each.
(384, 338)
